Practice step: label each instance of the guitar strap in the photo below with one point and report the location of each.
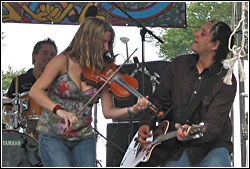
(205, 88)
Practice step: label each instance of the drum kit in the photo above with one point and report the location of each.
(19, 138)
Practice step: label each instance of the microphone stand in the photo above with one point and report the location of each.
(143, 32)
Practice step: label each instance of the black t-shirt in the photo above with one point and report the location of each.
(25, 82)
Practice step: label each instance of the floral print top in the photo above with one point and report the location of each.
(66, 93)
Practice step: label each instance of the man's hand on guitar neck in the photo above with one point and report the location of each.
(143, 134)
(182, 133)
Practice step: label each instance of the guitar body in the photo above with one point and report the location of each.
(135, 154)
(158, 150)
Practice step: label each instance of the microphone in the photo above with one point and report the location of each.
(113, 58)
(139, 68)
(91, 11)
(136, 62)
(108, 58)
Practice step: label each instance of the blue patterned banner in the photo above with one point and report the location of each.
(152, 14)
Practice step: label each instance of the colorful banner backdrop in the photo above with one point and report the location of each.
(152, 14)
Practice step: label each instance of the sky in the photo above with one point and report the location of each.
(20, 38)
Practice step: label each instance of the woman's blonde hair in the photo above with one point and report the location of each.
(87, 46)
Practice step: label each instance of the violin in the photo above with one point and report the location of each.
(97, 79)
(106, 82)
(122, 85)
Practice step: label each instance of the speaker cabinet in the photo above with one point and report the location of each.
(118, 140)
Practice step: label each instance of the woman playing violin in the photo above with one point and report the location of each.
(66, 138)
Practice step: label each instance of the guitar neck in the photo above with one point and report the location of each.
(164, 137)
(195, 131)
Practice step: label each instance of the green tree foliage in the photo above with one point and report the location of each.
(8, 76)
(177, 41)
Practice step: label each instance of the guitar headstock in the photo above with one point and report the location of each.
(195, 131)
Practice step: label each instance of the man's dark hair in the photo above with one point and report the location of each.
(39, 44)
(221, 32)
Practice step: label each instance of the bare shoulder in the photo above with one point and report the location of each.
(59, 59)
(59, 63)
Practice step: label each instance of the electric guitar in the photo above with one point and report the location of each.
(136, 153)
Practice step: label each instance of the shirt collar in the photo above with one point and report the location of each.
(30, 72)
(193, 60)
(214, 67)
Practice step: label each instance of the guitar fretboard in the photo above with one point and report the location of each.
(164, 137)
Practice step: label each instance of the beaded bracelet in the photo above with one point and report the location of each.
(57, 107)
(129, 112)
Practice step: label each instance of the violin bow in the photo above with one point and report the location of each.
(107, 81)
